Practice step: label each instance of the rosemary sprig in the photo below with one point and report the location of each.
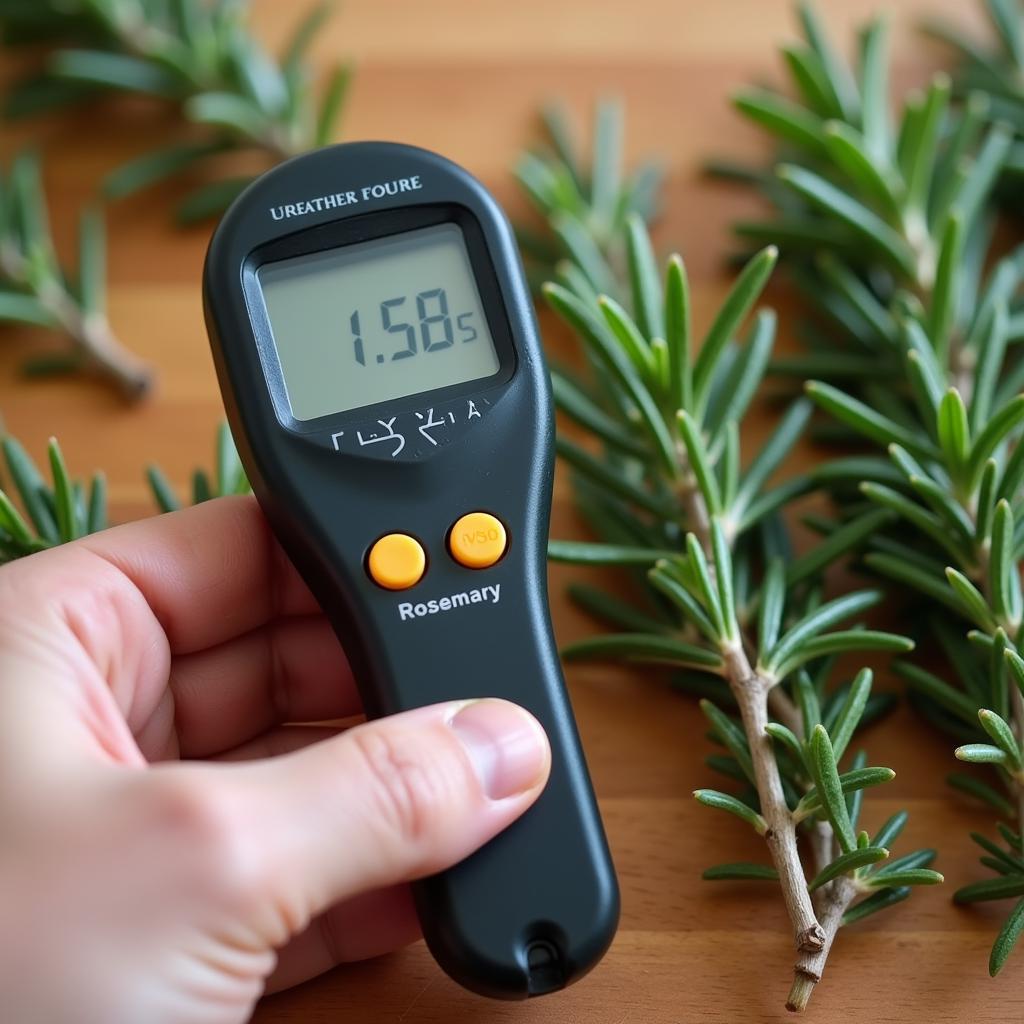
(582, 204)
(890, 227)
(65, 509)
(53, 514)
(199, 56)
(665, 490)
(36, 290)
(886, 224)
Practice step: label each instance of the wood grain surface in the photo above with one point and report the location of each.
(466, 78)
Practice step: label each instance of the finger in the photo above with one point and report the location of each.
(92, 624)
(210, 573)
(286, 739)
(363, 927)
(291, 670)
(386, 802)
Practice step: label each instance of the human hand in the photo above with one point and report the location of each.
(139, 884)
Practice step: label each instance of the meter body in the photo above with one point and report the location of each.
(377, 351)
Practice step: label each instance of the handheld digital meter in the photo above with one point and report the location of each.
(377, 351)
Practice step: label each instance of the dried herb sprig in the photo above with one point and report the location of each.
(943, 393)
(36, 290)
(746, 624)
(64, 510)
(199, 56)
(583, 199)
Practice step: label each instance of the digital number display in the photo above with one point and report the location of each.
(377, 320)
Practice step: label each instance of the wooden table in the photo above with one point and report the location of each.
(466, 78)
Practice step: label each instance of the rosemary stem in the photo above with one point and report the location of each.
(785, 711)
(837, 897)
(984, 555)
(751, 693)
(962, 368)
(698, 522)
(821, 839)
(90, 333)
(99, 345)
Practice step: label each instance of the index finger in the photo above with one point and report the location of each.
(209, 573)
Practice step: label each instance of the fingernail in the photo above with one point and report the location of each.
(506, 744)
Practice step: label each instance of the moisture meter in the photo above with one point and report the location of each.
(379, 359)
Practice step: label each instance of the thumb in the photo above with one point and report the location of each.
(389, 801)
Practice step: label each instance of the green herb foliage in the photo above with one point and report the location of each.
(36, 290)
(661, 480)
(888, 226)
(202, 58)
(582, 200)
(884, 221)
(993, 69)
(35, 515)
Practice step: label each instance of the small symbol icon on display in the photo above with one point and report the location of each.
(391, 435)
(428, 422)
(425, 428)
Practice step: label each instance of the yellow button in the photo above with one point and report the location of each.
(397, 561)
(477, 540)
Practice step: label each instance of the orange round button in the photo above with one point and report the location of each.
(477, 540)
(397, 561)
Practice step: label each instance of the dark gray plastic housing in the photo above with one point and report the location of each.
(537, 907)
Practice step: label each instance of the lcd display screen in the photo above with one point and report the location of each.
(377, 320)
